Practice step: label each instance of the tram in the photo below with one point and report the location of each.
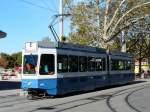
(57, 68)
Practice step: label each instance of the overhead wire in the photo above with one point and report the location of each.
(39, 6)
(54, 5)
(47, 5)
(56, 19)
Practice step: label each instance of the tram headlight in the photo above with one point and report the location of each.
(42, 84)
(29, 83)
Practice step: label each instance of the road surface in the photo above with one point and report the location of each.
(134, 97)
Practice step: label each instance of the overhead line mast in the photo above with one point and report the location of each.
(59, 18)
(61, 25)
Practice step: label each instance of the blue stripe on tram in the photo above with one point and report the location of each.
(65, 85)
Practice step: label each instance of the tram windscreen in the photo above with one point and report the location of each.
(30, 64)
(47, 64)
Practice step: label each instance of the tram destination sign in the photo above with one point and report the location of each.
(31, 46)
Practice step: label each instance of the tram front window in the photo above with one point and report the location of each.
(47, 64)
(30, 64)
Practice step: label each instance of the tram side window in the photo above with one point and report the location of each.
(121, 65)
(82, 64)
(73, 63)
(91, 64)
(114, 64)
(100, 64)
(62, 63)
(128, 65)
(47, 64)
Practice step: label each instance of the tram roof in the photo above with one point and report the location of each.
(74, 47)
(70, 46)
(118, 53)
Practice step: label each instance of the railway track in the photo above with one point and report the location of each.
(68, 103)
(128, 93)
(94, 99)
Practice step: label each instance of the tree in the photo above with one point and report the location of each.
(3, 62)
(46, 39)
(138, 41)
(63, 38)
(101, 21)
(4, 55)
(10, 61)
(17, 59)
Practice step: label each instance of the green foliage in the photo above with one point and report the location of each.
(63, 38)
(46, 39)
(100, 23)
(17, 57)
(3, 62)
(10, 61)
(100, 20)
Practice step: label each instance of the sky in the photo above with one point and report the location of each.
(25, 22)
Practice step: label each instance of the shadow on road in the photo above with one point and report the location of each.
(99, 89)
(8, 85)
(86, 101)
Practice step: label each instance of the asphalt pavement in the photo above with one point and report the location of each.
(134, 97)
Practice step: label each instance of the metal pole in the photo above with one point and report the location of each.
(62, 20)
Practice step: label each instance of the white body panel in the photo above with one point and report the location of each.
(37, 75)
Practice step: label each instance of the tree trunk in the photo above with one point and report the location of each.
(123, 42)
(98, 12)
(140, 65)
(140, 53)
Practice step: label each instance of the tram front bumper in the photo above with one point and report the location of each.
(39, 83)
(29, 83)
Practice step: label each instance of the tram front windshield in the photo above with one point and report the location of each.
(47, 64)
(30, 64)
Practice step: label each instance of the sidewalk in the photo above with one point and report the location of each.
(11, 79)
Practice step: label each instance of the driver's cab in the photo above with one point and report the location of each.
(30, 64)
(38, 62)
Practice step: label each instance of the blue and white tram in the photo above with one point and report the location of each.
(60, 68)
